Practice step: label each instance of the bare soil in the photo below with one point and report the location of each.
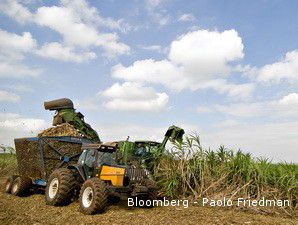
(33, 210)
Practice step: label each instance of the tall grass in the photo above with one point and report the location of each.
(8, 164)
(189, 170)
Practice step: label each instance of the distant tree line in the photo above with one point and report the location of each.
(7, 149)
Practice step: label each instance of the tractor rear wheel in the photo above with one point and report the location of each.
(8, 183)
(21, 185)
(60, 187)
(93, 196)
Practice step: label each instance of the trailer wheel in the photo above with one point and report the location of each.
(21, 185)
(60, 187)
(93, 196)
(8, 183)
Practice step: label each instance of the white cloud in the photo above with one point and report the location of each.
(237, 91)
(285, 69)
(17, 70)
(15, 10)
(157, 13)
(6, 96)
(205, 54)
(73, 20)
(131, 96)
(186, 17)
(13, 43)
(290, 99)
(26, 124)
(8, 116)
(154, 48)
(194, 62)
(56, 51)
(286, 107)
(91, 16)
(16, 126)
(151, 71)
(13, 46)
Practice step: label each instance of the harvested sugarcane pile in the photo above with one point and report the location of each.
(64, 129)
(28, 158)
(38, 158)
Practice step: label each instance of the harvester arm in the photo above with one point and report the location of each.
(75, 119)
(65, 113)
(174, 134)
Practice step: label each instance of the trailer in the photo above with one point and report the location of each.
(38, 157)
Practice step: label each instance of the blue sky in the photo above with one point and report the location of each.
(227, 70)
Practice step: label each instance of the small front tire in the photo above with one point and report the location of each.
(93, 196)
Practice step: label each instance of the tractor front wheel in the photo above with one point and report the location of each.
(93, 196)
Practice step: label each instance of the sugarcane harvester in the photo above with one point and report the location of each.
(65, 113)
(148, 153)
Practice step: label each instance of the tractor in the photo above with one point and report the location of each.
(97, 178)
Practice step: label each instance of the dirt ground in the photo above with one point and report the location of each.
(33, 210)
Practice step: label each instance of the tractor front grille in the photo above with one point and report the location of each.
(136, 174)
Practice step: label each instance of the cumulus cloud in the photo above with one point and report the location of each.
(91, 15)
(285, 107)
(13, 125)
(284, 69)
(73, 20)
(196, 60)
(237, 91)
(186, 17)
(290, 99)
(131, 96)
(6, 96)
(13, 48)
(17, 70)
(16, 10)
(56, 51)
(13, 45)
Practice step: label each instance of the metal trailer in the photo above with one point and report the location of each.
(37, 157)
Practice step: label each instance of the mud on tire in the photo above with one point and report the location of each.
(21, 186)
(60, 187)
(93, 196)
(8, 183)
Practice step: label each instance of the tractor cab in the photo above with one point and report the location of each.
(95, 157)
(145, 148)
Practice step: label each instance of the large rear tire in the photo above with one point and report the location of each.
(93, 196)
(60, 187)
(21, 186)
(8, 183)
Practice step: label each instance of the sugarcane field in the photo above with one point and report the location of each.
(148, 112)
